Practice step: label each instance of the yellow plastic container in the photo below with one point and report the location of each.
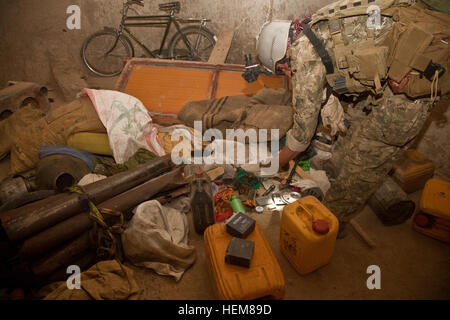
(433, 218)
(308, 234)
(264, 278)
(97, 143)
(412, 171)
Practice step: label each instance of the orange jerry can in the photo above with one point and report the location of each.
(308, 234)
(263, 279)
(412, 171)
(433, 218)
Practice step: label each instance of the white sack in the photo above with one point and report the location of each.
(157, 238)
(127, 122)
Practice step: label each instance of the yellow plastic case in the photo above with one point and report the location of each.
(92, 142)
(264, 278)
(412, 171)
(435, 205)
(304, 248)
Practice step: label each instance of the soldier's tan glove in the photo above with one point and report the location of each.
(333, 116)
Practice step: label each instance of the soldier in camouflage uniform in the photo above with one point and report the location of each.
(366, 153)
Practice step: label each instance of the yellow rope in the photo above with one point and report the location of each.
(434, 87)
(91, 204)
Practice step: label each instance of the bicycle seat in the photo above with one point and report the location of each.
(171, 6)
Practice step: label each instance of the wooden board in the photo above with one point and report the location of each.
(222, 47)
(166, 86)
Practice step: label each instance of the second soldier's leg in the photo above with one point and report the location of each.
(370, 150)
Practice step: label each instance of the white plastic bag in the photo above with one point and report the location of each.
(157, 238)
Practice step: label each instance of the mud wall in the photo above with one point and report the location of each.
(434, 139)
(30, 28)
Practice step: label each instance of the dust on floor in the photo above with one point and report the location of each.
(413, 266)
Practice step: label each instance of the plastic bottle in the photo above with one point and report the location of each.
(236, 205)
(202, 201)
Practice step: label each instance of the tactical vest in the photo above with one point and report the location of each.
(415, 53)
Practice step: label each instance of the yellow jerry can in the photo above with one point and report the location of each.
(263, 279)
(308, 234)
(433, 218)
(412, 171)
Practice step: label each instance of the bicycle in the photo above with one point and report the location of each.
(103, 52)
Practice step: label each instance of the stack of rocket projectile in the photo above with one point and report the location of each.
(40, 240)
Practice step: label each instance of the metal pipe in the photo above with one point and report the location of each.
(60, 171)
(146, 191)
(70, 228)
(75, 249)
(169, 196)
(47, 240)
(63, 257)
(85, 262)
(28, 220)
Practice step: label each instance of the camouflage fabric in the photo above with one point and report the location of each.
(109, 168)
(355, 30)
(367, 153)
(439, 5)
(348, 8)
(308, 77)
(308, 80)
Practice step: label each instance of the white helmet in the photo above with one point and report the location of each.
(272, 43)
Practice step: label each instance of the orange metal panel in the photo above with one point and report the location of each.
(166, 86)
(168, 89)
(231, 83)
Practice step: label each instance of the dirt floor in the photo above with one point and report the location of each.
(413, 266)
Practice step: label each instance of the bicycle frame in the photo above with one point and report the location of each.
(162, 20)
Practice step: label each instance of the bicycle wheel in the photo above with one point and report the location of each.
(201, 40)
(104, 55)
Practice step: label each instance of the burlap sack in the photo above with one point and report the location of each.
(268, 109)
(14, 125)
(107, 280)
(53, 129)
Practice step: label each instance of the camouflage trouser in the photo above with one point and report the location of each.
(367, 153)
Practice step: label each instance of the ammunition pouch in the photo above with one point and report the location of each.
(419, 51)
(415, 54)
(419, 57)
(359, 69)
(408, 53)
